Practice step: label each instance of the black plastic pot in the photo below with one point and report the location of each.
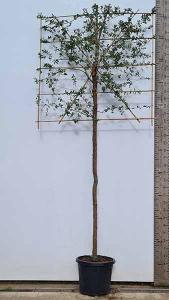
(95, 276)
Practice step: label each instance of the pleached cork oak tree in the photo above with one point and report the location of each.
(105, 45)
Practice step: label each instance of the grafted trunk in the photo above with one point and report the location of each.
(94, 143)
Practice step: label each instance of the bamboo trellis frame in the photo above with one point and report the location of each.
(150, 90)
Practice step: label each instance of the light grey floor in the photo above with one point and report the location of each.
(77, 296)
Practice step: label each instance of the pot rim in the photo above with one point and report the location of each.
(110, 261)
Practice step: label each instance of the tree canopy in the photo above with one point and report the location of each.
(116, 42)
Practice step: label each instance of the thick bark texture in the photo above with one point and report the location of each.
(94, 143)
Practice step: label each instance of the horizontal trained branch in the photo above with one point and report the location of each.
(40, 16)
(43, 41)
(133, 91)
(90, 120)
(100, 67)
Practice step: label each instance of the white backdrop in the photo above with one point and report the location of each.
(45, 186)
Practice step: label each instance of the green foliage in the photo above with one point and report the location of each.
(105, 37)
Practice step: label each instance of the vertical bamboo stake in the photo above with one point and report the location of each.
(40, 70)
(152, 72)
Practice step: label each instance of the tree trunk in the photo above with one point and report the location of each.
(94, 143)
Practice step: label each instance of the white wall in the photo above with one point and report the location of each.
(45, 186)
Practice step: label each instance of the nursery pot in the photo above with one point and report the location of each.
(95, 275)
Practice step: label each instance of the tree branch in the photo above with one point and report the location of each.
(123, 101)
(122, 36)
(73, 101)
